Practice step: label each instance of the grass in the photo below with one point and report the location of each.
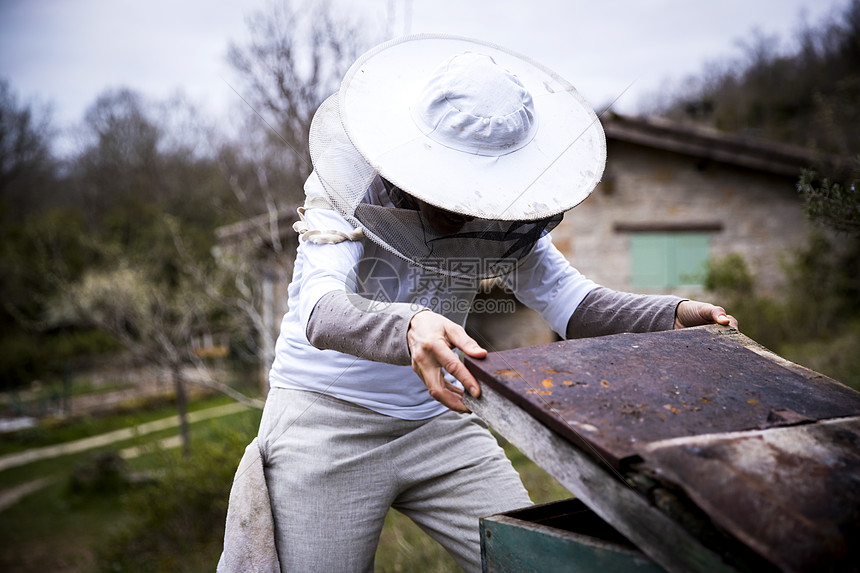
(52, 530)
(48, 532)
(404, 547)
(63, 465)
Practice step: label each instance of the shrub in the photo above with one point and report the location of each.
(100, 473)
(761, 318)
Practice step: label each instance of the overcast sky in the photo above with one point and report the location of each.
(65, 52)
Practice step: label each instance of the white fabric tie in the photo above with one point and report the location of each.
(322, 237)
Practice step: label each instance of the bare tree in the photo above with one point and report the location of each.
(157, 322)
(256, 257)
(296, 57)
(803, 92)
(152, 323)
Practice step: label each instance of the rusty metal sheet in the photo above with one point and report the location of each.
(791, 494)
(611, 395)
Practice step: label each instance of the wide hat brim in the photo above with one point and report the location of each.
(554, 172)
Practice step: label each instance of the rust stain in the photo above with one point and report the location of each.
(549, 370)
(539, 392)
(671, 408)
(509, 372)
(568, 382)
(705, 400)
(547, 383)
(752, 402)
(604, 383)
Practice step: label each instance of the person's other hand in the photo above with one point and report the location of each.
(695, 313)
(431, 338)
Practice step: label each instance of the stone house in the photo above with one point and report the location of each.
(672, 197)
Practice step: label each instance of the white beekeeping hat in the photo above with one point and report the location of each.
(464, 126)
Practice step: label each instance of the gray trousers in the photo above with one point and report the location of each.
(333, 470)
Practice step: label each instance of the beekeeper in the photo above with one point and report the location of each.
(440, 161)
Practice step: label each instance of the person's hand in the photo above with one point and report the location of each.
(695, 313)
(431, 338)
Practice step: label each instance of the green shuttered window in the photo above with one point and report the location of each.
(668, 260)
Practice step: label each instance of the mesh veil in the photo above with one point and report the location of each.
(482, 248)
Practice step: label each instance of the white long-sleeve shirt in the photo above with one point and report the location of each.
(544, 280)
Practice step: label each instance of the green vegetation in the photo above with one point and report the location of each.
(45, 532)
(110, 246)
(179, 516)
(815, 319)
(95, 499)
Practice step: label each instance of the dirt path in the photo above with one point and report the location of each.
(11, 496)
(28, 456)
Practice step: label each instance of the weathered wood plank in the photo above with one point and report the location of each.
(658, 536)
(615, 393)
(788, 493)
(739, 338)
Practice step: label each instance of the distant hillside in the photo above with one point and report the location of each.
(807, 95)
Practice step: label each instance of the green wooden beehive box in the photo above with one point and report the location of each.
(558, 537)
